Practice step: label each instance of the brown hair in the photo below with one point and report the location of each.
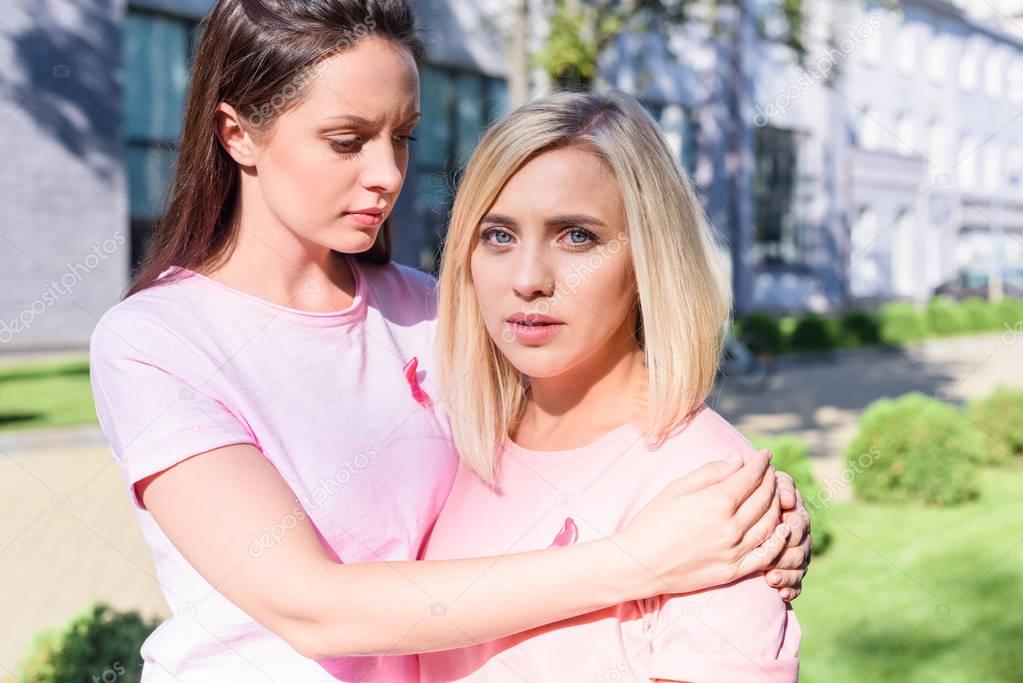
(258, 56)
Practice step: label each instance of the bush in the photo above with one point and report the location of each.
(914, 448)
(101, 644)
(902, 322)
(1008, 311)
(999, 417)
(945, 317)
(789, 455)
(859, 328)
(812, 333)
(761, 332)
(978, 314)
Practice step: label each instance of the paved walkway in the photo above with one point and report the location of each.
(68, 536)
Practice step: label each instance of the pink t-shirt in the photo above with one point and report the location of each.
(186, 367)
(742, 633)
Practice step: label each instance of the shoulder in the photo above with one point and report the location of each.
(705, 438)
(394, 283)
(146, 326)
(398, 276)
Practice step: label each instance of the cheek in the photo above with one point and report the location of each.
(485, 281)
(301, 181)
(605, 293)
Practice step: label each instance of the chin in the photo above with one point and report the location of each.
(538, 361)
(356, 243)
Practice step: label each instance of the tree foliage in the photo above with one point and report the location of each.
(580, 30)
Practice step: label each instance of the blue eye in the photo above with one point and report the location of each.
(577, 237)
(496, 237)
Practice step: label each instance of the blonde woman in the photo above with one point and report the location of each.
(581, 289)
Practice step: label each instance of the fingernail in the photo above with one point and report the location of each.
(774, 579)
(786, 594)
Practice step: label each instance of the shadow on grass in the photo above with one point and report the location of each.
(17, 418)
(975, 635)
(44, 372)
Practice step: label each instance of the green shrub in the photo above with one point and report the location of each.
(787, 325)
(789, 455)
(101, 644)
(914, 448)
(859, 328)
(999, 417)
(944, 316)
(902, 322)
(813, 332)
(1007, 311)
(978, 314)
(761, 332)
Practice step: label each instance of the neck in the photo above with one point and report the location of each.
(272, 262)
(576, 407)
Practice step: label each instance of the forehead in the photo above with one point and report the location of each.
(376, 79)
(566, 180)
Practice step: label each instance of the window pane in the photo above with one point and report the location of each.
(469, 114)
(497, 103)
(149, 170)
(435, 134)
(156, 75)
(777, 226)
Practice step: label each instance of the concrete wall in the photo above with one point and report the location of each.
(63, 226)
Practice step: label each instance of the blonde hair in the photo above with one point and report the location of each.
(684, 302)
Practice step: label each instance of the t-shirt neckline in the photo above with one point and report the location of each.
(354, 313)
(624, 433)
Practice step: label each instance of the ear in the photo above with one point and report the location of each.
(233, 135)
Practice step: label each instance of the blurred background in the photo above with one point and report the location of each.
(862, 163)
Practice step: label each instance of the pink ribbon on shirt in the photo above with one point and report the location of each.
(412, 376)
(568, 535)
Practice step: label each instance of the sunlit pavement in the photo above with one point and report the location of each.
(68, 536)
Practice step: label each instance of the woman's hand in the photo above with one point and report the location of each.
(787, 572)
(725, 523)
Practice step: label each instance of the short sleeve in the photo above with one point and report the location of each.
(152, 400)
(742, 632)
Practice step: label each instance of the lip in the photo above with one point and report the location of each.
(533, 328)
(368, 217)
(535, 318)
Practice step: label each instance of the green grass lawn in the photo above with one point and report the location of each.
(915, 594)
(45, 395)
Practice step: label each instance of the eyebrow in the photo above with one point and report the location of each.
(553, 222)
(356, 120)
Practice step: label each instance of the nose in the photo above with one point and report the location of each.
(383, 171)
(533, 278)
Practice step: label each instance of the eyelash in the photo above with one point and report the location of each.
(487, 233)
(339, 146)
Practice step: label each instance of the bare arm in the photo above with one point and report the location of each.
(212, 504)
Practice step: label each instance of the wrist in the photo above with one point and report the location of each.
(629, 576)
